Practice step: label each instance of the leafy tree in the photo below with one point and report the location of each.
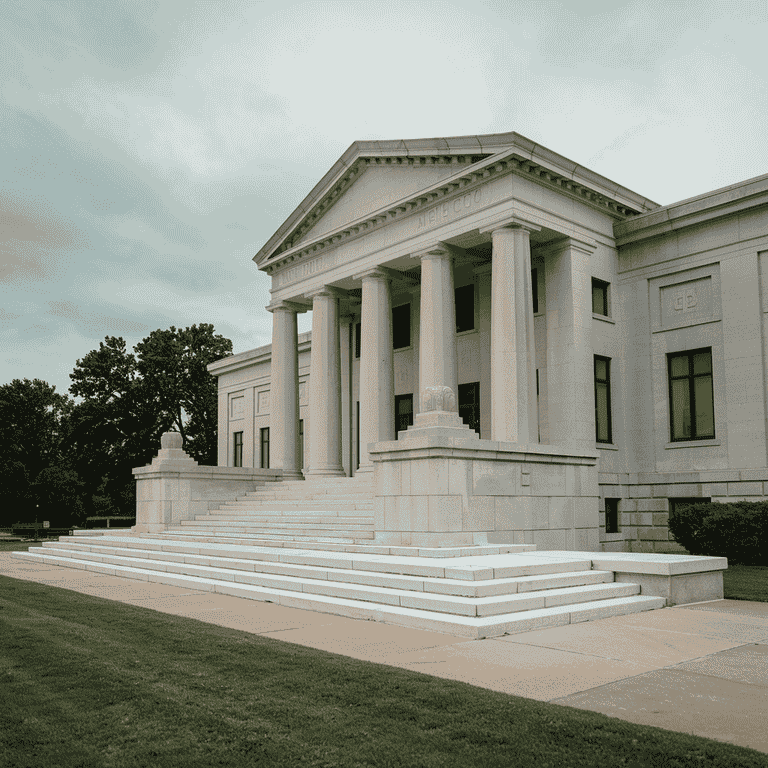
(33, 424)
(130, 399)
(173, 365)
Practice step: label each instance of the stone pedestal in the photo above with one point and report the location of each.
(440, 488)
(174, 487)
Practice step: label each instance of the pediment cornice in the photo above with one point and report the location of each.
(475, 162)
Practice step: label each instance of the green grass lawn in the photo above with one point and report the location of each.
(90, 682)
(746, 582)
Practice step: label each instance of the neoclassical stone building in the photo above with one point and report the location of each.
(510, 346)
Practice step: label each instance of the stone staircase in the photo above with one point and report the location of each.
(335, 510)
(310, 545)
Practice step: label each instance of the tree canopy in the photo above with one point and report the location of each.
(59, 453)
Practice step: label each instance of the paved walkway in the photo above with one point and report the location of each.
(700, 669)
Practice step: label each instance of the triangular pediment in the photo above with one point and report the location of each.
(372, 176)
(374, 187)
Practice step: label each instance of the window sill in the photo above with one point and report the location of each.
(604, 318)
(606, 446)
(401, 349)
(466, 333)
(693, 444)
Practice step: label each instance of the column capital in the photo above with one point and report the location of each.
(511, 223)
(374, 273)
(436, 251)
(286, 306)
(327, 291)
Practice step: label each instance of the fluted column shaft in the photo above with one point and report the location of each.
(513, 352)
(377, 379)
(325, 386)
(284, 416)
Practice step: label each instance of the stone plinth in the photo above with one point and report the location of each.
(174, 487)
(438, 490)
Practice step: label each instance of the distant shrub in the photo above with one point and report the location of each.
(736, 530)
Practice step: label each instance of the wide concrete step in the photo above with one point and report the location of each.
(390, 593)
(286, 520)
(435, 553)
(222, 521)
(306, 531)
(298, 505)
(472, 617)
(250, 537)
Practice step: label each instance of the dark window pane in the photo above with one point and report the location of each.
(612, 515)
(535, 289)
(702, 363)
(465, 308)
(679, 365)
(401, 326)
(403, 412)
(705, 407)
(358, 339)
(469, 405)
(238, 449)
(601, 369)
(602, 400)
(599, 297)
(681, 410)
(265, 448)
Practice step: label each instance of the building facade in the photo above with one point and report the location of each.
(512, 346)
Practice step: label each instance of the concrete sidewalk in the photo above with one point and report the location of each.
(700, 669)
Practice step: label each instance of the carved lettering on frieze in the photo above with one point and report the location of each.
(444, 211)
(308, 268)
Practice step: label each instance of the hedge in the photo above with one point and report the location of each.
(737, 530)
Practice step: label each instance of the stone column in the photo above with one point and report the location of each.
(377, 378)
(284, 395)
(346, 340)
(325, 386)
(438, 387)
(570, 361)
(513, 353)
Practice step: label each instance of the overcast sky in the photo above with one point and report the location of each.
(149, 149)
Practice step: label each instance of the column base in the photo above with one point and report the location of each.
(327, 472)
(292, 474)
(445, 423)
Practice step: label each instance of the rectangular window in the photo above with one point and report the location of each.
(612, 516)
(535, 289)
(599, 297)
(403, 412)
(301, 443)
(691, 400)
(357, 434)
(264, 433)
(465, 308)
(358, 339)
(603, 399)
(401, 326)
(469, 405)
(237, 446)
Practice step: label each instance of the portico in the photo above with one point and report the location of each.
(512, 258)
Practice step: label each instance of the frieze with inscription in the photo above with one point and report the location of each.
(445, 211)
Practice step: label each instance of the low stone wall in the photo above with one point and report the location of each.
(175, 487)
(436, 491)
(644, 504)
